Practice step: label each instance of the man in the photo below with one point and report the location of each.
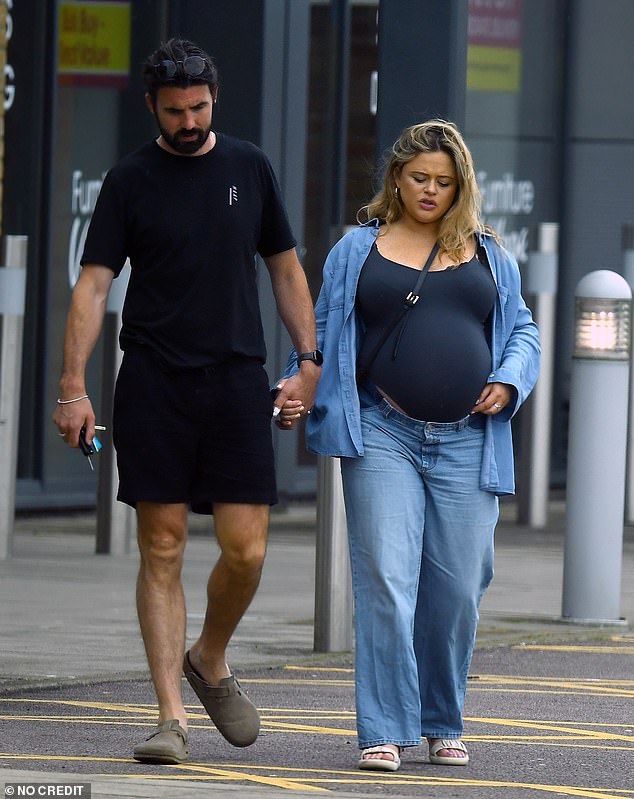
(192, 410)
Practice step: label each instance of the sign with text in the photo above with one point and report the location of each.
(94, 43)
(494, 55)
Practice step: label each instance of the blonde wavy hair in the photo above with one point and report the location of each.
(462, 220)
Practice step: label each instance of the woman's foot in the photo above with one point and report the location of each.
(447, 752)
(385, 757)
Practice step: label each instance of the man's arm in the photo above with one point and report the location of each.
(295, 307)
(83, 325)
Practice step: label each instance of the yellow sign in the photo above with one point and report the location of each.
(94, 41)
(494, 69)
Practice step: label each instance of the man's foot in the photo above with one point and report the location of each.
(385, 757)
(235, 716)
(447, 752)
(167, 744)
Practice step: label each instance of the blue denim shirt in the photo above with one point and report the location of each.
(334, 425)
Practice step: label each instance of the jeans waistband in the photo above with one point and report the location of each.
(370, 396)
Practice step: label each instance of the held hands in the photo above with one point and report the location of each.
(288, 408)
(493, 398)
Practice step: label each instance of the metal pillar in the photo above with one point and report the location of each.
(115, 520)
(12, 294)
(534, 472)
(628, 274)
(333, 592)
(593, 541)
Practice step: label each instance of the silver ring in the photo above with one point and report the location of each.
(497, 405)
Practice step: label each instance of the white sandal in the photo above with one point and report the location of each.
(447, 743)
(380, 763)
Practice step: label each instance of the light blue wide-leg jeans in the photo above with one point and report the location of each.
(421, 548)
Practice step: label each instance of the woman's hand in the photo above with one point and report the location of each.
(493, 398)
(290, 414)
(286, 411)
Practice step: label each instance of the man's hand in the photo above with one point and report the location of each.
(296, 396)
(83, 325)
(70, 417)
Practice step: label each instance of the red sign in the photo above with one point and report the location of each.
(495, 23)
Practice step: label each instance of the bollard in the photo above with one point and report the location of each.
(333, 591)
(12, 295)
(534, 471)
(628, 274)
(115, 520)
(593, 540)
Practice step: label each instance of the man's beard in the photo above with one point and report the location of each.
(189, 146)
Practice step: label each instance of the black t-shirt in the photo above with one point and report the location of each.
(191, 227)
(443, 358)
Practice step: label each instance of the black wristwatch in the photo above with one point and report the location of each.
(315, 356)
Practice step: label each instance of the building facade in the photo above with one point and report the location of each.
(542, 89)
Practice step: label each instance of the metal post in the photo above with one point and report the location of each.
(593, 541)
(333, 592)
(628, 274)
(115, 520)
(12, 295)
(534, 474)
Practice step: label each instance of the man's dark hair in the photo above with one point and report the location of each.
(177, 50)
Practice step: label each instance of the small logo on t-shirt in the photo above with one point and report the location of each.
(233, 195)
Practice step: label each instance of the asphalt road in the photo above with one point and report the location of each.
(541, 720)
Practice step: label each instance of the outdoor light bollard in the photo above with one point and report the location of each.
(115, 520)
(595, 499)
(333, 592)
(12, 296)
(628, 274)
(534, 471)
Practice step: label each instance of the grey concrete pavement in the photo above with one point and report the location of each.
(110, 787)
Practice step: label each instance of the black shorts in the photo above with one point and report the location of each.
(195, 436)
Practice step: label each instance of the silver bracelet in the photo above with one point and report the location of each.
(67, 402)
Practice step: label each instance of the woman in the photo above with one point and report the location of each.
(417, 404)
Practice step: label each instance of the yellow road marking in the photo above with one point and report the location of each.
(548, 733)
(617, 688)
(322, 669)
(567, 737)
(149, 711)
(232, 776)
(585, 648)
(575, 681)
(283, 725)
(287, 719)
(553, 727)
(204, 773)
(301, 681)
(119, 708)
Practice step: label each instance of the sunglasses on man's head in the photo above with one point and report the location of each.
(193, 66)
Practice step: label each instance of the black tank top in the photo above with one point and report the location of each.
(443, 357)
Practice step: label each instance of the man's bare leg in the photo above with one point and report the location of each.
(162, 534)
(241, 531)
